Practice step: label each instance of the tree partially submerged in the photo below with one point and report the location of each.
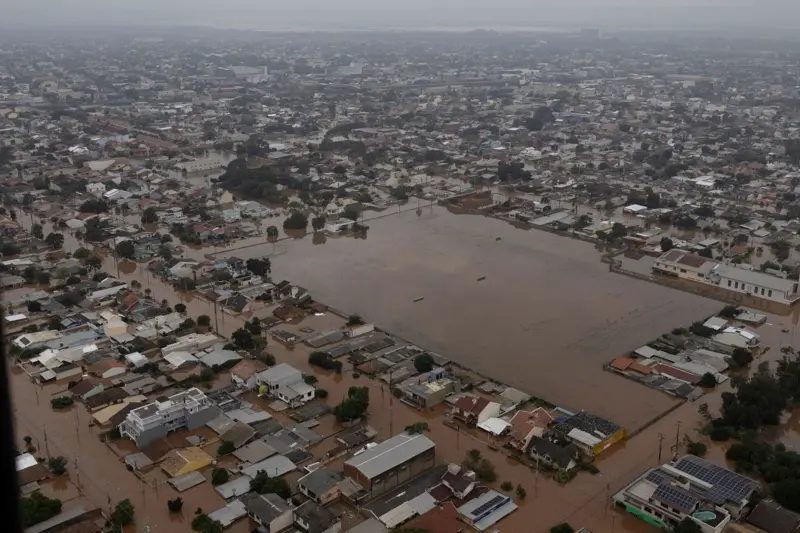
(264, 484)
(37, 508)
(123, 513)
(354, 406)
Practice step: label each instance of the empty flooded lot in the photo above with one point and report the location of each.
(545, 318)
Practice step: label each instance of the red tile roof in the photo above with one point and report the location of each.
(441, 519)
(677, 373)
(621, 363)
(524, 421)
(471, 404)
(640, 368)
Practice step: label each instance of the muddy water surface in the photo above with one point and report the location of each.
(94, 469)
(563, 314)
(545, 318)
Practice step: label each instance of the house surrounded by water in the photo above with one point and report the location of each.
(189, 409)
(689, 488)
(731, 278)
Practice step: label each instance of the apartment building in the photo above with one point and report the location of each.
(189, 409)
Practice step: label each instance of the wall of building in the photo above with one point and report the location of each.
(681, 271)
(148, 436)
(600, 447)
(202, 417)
(396, 476)
(772, 295)
(282, 522)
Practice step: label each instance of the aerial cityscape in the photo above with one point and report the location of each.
(414, 281)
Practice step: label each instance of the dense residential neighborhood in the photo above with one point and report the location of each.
(170, 203)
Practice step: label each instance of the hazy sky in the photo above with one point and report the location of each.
(377, 14)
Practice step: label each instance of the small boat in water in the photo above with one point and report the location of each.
(481, 278)
(419, 299)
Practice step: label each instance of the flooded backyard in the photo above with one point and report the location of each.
(545, 318)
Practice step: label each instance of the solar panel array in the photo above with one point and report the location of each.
(488, 505)
(727, 484)
(657, 477)
(675, 497)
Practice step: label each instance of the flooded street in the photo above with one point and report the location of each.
(100, 475)
(545, 318)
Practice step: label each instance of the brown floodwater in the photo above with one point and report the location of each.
(545, 318)
(94, 469)
(535, 275)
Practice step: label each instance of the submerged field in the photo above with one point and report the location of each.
(545, 318)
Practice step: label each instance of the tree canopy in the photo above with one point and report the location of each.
(227, 447)
(126, 249)
(259, 267)
(94, 205)
(354, 406)
(37, 508)
(123, 513)
(243, 339)
(423, 362)
(204, 524)
(296, 221)
(149, 216)
(264, 484)
(219, 476)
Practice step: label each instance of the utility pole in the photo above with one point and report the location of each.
(391, 403)
(660, 442)
(216, 321)
(116, 261)
(77, 476)
(677, 438)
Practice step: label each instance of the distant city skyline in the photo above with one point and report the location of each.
(384, 14)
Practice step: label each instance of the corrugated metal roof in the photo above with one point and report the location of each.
(390, 453)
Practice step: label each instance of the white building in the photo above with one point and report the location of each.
(634, 209)
(685, 265)
(286, 383)
(38, 338)
(204, 164)
(738, 337)
(188, 409)
(688, 488)
(755, 283)
(192, 342)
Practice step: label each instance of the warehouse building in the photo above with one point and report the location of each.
(391, 463)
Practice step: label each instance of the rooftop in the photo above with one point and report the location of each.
(390, 453)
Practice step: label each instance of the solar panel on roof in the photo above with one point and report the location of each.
(657, 477)
(675, 497)
(488, 505)
(726, 484)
